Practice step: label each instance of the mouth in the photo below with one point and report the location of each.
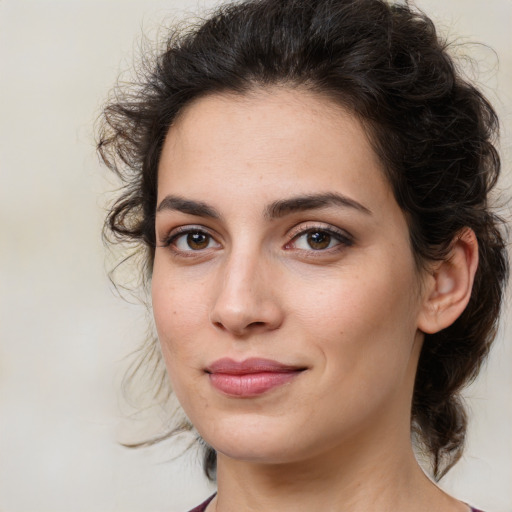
(251, 377)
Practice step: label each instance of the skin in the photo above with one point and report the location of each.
(350, 311)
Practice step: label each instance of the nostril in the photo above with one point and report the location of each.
(256, 324)
(220, 325)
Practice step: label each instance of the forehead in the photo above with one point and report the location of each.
(267, 144)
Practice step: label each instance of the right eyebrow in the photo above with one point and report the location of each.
(197, 208)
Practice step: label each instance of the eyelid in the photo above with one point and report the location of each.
(170, 237)
(344, 238)
(303, 228)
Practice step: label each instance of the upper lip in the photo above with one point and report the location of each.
(248, 366)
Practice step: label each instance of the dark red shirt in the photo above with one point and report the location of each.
(202, 507)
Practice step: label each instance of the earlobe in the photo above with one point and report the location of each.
(450, 284)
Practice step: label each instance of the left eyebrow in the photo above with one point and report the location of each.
(284, 207)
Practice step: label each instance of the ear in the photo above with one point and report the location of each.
(449, 285)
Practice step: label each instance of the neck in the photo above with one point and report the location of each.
(360, 476)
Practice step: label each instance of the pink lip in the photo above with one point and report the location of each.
(251, 377)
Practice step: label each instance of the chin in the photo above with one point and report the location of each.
(268, 440)
(257, 440)
(259, 453)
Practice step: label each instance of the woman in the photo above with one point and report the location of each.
(310, 181)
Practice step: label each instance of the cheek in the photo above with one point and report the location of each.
(364, 320)
(177, 320)
(362, 332)
(180, 312)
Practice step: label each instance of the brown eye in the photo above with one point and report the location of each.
(318, 240)
(197, 241)
(192, 241)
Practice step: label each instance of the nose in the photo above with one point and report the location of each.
(246, 300)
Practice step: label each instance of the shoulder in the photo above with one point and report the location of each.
(202, 507)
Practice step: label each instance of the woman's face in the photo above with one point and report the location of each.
(284, 289)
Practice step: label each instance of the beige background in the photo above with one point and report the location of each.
(64, 334)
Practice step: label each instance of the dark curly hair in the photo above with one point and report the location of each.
(433, 131)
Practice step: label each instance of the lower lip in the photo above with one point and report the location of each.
(251, 384)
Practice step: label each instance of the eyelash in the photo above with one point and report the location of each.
(170, 240)
(343, 239)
